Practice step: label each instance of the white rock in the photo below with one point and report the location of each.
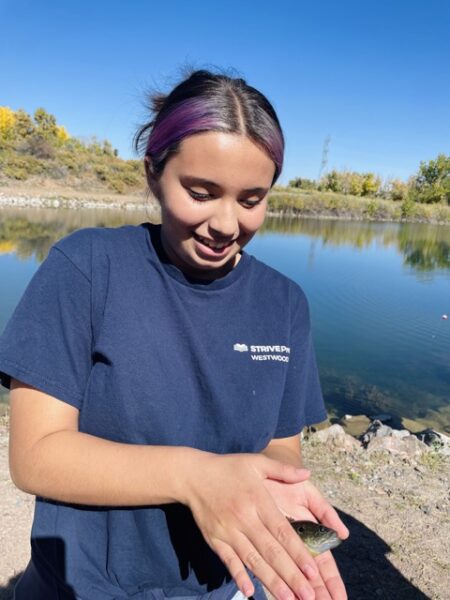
(400, 433)
(336, 437)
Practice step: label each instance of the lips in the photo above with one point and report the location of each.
(212, 243)
(210, 248)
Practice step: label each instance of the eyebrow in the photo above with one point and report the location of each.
(194, 180)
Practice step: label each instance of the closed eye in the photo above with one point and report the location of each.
(247, 203)
(251, 203)
(198, 196)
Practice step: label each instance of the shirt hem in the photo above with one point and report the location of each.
(292, 430)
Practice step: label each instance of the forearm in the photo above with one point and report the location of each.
(287, 454)
(71, 466)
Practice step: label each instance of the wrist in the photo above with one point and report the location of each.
(283, 454)
(188, 463)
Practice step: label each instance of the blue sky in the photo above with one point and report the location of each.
(373, 75)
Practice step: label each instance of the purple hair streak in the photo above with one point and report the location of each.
(197, 114)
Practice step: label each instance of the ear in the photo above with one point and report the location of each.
(150, 175)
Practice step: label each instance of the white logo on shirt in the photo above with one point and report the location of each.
(240, 347)
(272, 352)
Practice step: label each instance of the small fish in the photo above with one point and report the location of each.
(315, 536)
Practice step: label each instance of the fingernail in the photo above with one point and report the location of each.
(310, 571)
(247, 591)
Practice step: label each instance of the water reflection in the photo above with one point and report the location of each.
(32, 231)
(424, 247)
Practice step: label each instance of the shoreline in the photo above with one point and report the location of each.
(72, 199)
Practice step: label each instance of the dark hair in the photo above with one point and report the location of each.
(207, 101)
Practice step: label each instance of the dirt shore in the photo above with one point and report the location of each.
(397, 510)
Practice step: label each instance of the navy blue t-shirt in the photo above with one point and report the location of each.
(149, 356)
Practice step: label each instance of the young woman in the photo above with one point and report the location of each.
(160, 377)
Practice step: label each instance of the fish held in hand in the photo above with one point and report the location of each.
(316, 537)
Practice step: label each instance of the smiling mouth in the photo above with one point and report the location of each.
(212, 244)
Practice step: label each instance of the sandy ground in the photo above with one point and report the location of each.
(48, 188)
(398, 514)
(397, 510)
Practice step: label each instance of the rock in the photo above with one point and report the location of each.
(375, 430)
(420, 469)
(336, 437)
(400, 433)
(435, 440)
(407, 447)
(382, 417)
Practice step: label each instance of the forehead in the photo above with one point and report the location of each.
(228, 159)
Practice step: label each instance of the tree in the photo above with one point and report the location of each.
(61, 134)
(7, 120)
(432, 183)
(45, 124)
(370, 184)
(303, 183)
(331, 182)
(356, 184)
(23, 126)
(397, 190)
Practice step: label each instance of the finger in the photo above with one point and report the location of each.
(235, 567)
(291, 568)
(327, 515)
(275, 469)
(271, 566)
(331, 577)
(283, 532)
(331, 518)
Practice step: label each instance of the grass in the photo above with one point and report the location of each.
(432, 459)
(306, 203)
(70, 163)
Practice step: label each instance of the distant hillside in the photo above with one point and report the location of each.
(38, 153)
(35, 148)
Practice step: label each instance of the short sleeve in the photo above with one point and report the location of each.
(302, 402)
(47, 341)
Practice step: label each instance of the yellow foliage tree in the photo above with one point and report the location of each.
(370, 184)
(62, 134)
(7, 121)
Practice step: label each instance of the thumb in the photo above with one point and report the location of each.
(275, 469)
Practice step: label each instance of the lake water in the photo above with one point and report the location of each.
(377, 292)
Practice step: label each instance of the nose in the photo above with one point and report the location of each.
(224, 220)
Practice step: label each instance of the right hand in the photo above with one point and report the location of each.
(241, 523)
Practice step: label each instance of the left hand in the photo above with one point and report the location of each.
(303, 501)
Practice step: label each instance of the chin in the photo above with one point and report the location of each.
(205, 266)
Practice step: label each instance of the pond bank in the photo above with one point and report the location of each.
(287, 204)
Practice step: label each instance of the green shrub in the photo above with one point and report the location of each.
(371, 209)
(408, 208)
